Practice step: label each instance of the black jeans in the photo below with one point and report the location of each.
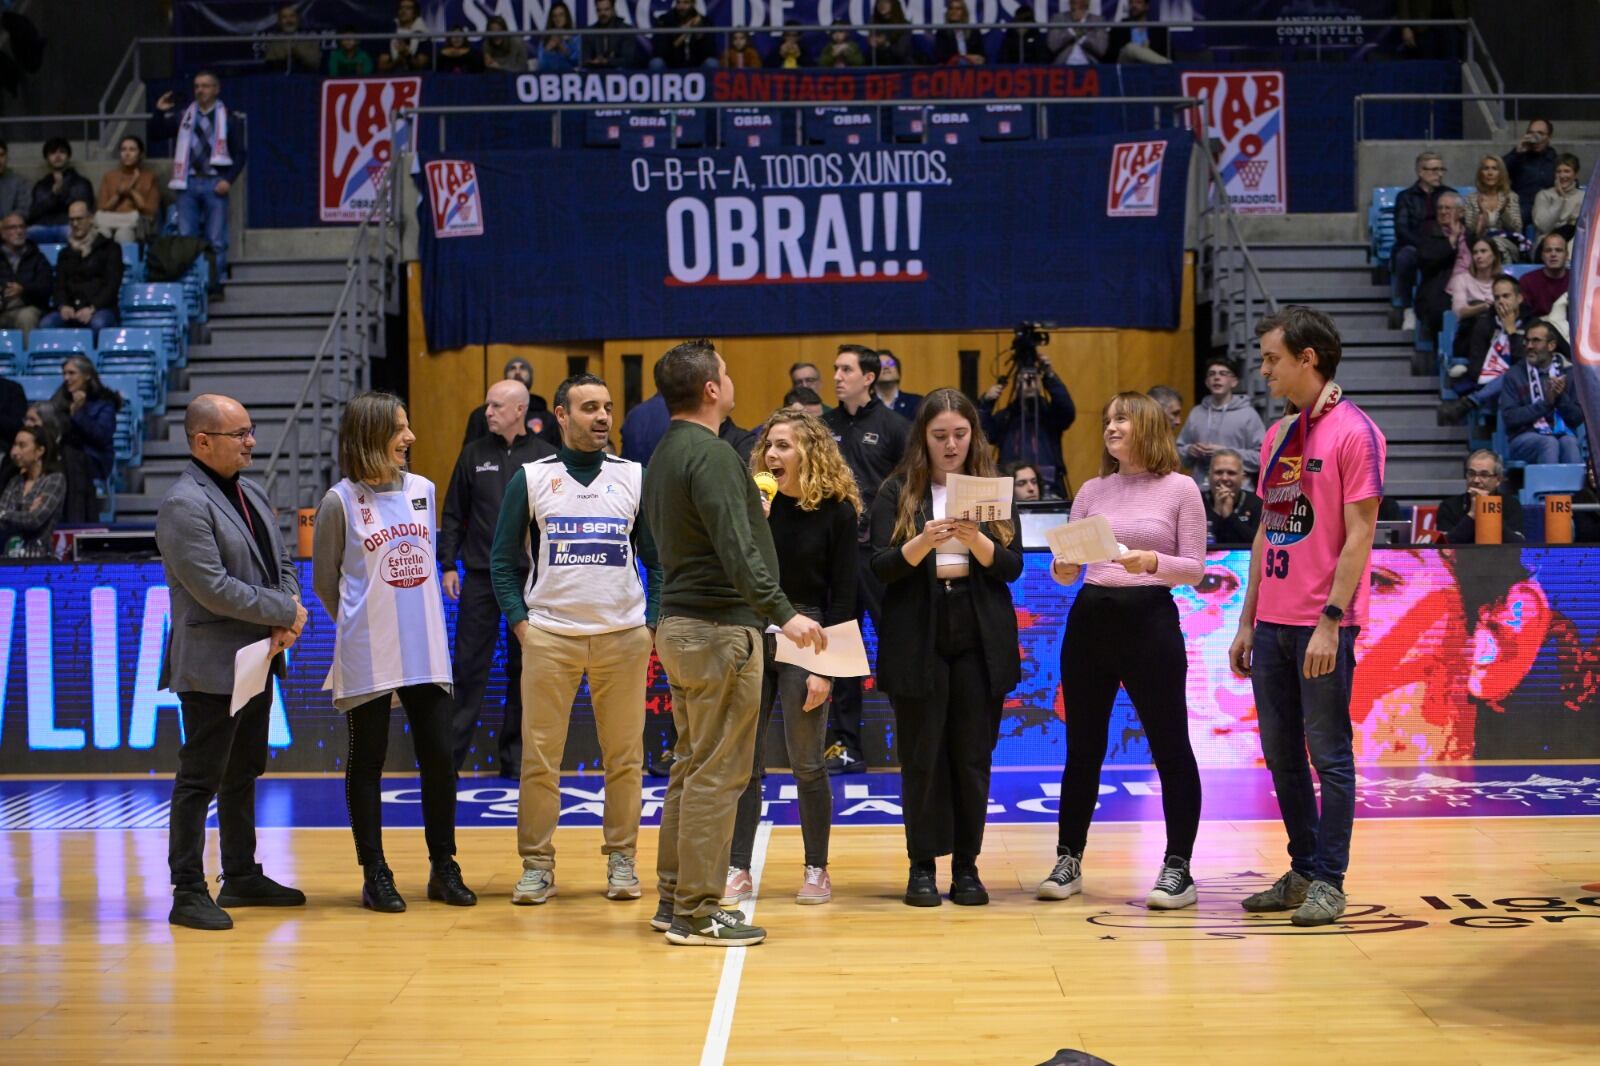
(478, 630)
(804, 734)
(221, 757)
(947, 739)
(428, 707)
(1128, 638)
(846, 709)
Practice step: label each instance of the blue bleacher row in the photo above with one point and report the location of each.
(1538, 480)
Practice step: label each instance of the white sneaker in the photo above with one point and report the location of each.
(1065, 881)
(534, 886)
(621, 880)
(1458, 370)
(1409, 323)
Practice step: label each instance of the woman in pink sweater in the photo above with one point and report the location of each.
(1123, 632)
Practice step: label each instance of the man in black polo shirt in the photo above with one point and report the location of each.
(872, 439)
(466, 532)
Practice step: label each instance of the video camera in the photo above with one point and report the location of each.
(1026, 340)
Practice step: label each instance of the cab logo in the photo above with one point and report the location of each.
(1134, 189)
(1244, 125)
(454, 198)
(357, 141)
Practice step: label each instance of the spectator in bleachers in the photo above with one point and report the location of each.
(559, 51)
(1139, 43)
(1030, 426)
(1485, 473)
(740, 53)
(33, 500)
(1556, 209)
(349, 60)
(682, 51)
(1492, 210)
(804, 400)
(291, 55)
(88, 276)
(1494, 343)
(1442, 244)
(1025, 45)
(1232, 511)
(887, 387)
(1532, 163)
(1543, 287)
(457, 56)
(408, 49)
(47, 209)
(207, 158)
(889, 47)
(26, 280)
(505, 53)
(954, 44)
(790, 53)
(841, 49)
(541, 420)
(1414, 207)
(1026, 485)
(807, 376)
(16, 195)
(609, 52)
(82, 505)
(89, 411)
(129, 196)
(1171, 401)
(1075, 45)
(1540, 408)
(1221, 420)
(1471, 281)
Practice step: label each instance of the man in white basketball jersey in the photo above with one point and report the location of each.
(581, 611)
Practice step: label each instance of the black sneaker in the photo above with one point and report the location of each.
(661, 921)
(378, 892)
(445, 886)
(841, 760)
(966, 890)
(659, 765)
(1454, 412)
(1174, 888)
(193, 908)
(922, 889)
(1065, 880)
(258, 890)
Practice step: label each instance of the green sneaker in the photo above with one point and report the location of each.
(661, 921)
(621, 881)
(726, 929)
(1286, 893)
(534, 886)
(1324, 905)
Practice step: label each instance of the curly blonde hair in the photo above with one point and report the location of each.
(823, 474)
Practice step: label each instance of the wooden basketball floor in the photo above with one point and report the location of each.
(1467, 941)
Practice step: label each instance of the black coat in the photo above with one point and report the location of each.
(906, 637)
(93, 280)
(33, 273)
(13, 409)
(1412, 207)
(49, 205)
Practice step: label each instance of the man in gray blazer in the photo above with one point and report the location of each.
(232, 584)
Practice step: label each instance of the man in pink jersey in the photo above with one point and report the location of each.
(1306, 599)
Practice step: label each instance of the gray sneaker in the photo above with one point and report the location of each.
(662, 920)
(1324, 905)
(724, 929)
(534, 886)
(1065, 880)
(621, 881)
(1286, 893)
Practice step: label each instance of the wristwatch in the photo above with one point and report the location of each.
(1331, 612)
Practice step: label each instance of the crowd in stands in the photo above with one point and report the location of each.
(417, 46)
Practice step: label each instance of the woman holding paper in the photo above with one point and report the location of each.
(947, 651)
(813, 520)
(1123, 631)
(375, 573)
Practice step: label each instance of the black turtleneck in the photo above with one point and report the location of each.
(253, 519)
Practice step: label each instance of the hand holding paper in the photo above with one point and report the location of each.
(1088, 540)
(845, 654)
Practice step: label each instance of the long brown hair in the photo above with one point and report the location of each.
(1153, 444)
(823, 474)
(916, 474)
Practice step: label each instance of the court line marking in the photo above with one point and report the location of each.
(721, 1027)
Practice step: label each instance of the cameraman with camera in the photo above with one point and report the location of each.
(1029, 427)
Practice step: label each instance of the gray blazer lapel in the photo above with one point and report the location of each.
(219, 498)
(275, 539)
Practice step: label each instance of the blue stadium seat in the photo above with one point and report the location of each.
(38, 387)
(162, 306)
(129, 439)
(840, 127)
(132, 262)
(1447, 344)
(11, 352)
(51, 252)
(1542, 479)
(1380, 224)
(142, 353)
(48, 347)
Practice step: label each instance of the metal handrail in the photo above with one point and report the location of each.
(1358, 104)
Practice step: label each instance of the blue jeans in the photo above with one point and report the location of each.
(1297, 713)
(1542, 448)
(1403, 268)
(104, 318)
(199, 207)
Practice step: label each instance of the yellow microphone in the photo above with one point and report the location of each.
(767, 485)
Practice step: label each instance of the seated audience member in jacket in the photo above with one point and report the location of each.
(1485, 474)
(1233, 512)
(55, 192)
(90, 412)
(88, 276)
(1539, 404)
(26, 279)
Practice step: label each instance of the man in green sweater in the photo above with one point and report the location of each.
(720, 589)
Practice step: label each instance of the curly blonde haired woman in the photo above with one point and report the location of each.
(812, 515)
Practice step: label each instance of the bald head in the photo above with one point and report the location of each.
(506, 408)
(220, 433)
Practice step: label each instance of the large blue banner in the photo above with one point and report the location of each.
(803, 240)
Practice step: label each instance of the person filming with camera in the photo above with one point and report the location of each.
(1028, 427)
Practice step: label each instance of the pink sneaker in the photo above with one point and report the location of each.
(817, 888)
(738, 888)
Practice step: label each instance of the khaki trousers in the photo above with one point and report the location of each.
(715, 674)
(553, 665)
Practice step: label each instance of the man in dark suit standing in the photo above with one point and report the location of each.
(232, 584)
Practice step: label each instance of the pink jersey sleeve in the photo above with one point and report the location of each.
(1361, 459)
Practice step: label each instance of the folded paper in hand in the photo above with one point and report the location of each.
(979, 499)
(1088, 540)
(846, 655)
(251, 664)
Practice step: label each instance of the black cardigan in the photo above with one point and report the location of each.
(906, 637)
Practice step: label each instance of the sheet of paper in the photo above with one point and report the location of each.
(846, 655)
(251, 664)
(1088, 540)
(982, 499)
